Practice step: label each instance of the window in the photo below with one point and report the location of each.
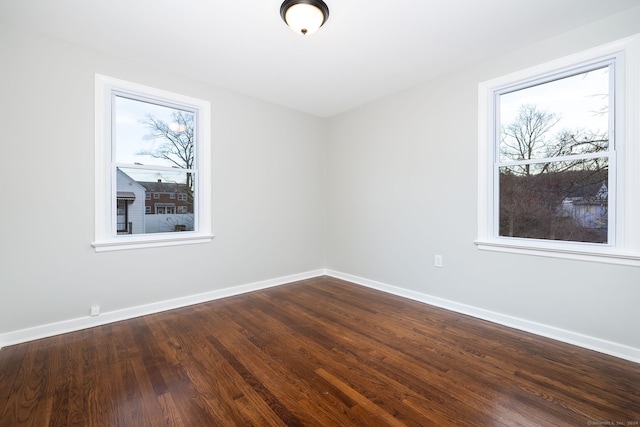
(165, 209)
(150, 141)
(558, 158)
(182, 196)
(553, 151)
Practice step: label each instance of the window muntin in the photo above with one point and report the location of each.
(552, 149)
(150, 141)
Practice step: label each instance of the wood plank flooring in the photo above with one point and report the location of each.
(320, 352)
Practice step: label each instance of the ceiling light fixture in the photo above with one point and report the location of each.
(304, 16)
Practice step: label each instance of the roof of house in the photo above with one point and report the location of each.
(126, 195)
(163, 187)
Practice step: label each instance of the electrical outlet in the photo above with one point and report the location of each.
(438, 260)
(95, 310)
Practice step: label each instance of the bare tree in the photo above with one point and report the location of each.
(530, 137)
(578, 142)
(175, 143)
(172, 141)
(526, 137)
(531, 194)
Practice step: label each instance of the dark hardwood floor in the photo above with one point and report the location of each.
(320, 352)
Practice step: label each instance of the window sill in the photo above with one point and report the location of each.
(125, 244)
(591, 255)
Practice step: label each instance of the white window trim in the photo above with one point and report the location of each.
(626, 249)
(105, 237)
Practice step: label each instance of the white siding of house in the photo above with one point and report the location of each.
(136, 209)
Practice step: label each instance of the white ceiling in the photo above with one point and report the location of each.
(366, 50)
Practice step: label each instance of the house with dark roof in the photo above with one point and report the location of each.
(589, 208)
(152, 206)
(165, 198)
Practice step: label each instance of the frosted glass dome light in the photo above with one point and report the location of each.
(304, 16)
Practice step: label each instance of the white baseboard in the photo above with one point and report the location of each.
(613, 349)
(51, 329)
(48, 330)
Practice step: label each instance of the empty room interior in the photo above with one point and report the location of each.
(319, 213)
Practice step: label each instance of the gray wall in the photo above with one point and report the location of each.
(374, 192)
(267, 202)
(402, 187)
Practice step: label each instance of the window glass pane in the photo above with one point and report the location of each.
(152, 134)
(137, 214)
(562, 117)
(556, 201)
